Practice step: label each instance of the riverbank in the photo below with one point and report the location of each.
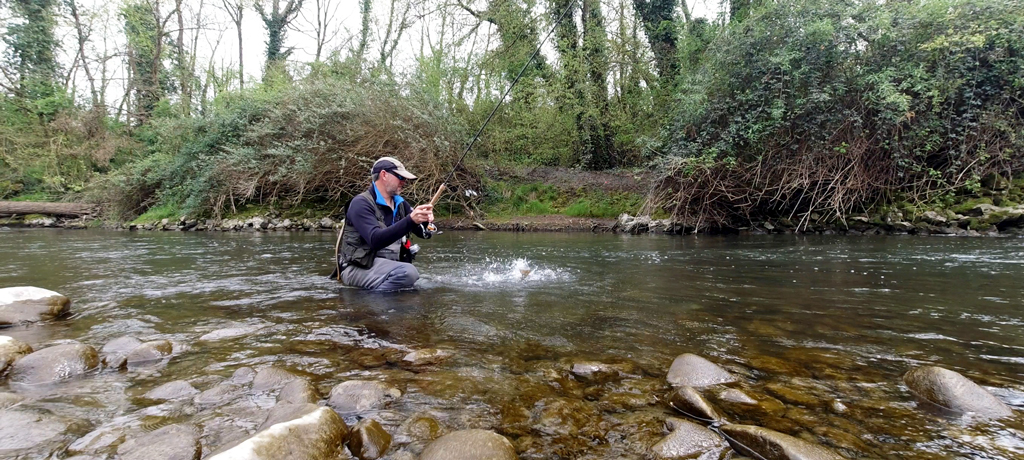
(552, 199)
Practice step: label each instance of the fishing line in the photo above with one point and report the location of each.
(714, 425)
(443, 186)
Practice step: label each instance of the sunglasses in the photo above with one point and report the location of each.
(397, 176)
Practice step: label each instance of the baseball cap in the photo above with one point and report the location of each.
(393, 166)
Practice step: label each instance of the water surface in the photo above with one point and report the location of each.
(826, 325)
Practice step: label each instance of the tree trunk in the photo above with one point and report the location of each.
(50, 209)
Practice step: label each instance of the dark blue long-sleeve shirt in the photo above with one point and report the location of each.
(361, 215)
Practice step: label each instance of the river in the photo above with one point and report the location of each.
(825, 324)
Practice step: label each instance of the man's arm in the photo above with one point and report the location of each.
(360, 214)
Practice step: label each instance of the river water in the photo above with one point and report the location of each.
(825, 325)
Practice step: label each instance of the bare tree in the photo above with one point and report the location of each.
(83, 30)
(235, 8)
(319, 27)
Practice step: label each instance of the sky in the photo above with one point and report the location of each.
(217, 41)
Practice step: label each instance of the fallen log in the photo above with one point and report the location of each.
(9, 208)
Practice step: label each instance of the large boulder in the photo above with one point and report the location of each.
(953, 391)
(30, 304)
(356, 396)
(470, 445)
(172, 442)
(692, 370)
(688, 440)
(295, 432)
(761, 442)
(11, 350)
(55, 363)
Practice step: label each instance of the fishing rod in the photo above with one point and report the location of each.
(443, 186)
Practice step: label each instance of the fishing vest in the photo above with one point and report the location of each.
(356, 251)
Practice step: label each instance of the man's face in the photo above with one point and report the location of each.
(393, 183)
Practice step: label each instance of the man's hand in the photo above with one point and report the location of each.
(423, 213)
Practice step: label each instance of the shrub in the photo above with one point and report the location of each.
(832, 107)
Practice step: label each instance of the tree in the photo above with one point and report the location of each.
(584, 59)
(660, 26)
(144, 27)
(320, 25)
(32, 65)
(235, 8)
(276, 21)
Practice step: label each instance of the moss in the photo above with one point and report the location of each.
(36, 196)
(968, 205)
(978, 224)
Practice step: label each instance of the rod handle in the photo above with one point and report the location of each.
(437, 195)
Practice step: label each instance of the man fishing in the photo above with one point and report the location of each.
(374, 247)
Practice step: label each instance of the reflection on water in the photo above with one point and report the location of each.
(824, 325)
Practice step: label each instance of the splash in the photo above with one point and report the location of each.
(497, 273)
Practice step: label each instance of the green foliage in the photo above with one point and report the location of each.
(32, 50)
(839, 104)
(283, 144)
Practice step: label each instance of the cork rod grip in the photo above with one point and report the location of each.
(437, 195)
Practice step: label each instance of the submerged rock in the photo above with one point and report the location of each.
(294, 432)
(55, 363)
(24, 433)
(368, 440)
(764, 443)
(689, 440)
(356, 396)
(149, 352)
(598, 372)
(178, 389)
(298, 391)
(27, 304)
(692, 370)
(470, 445)
(173, 442)
(271, 378)
(953, 391)
(11, 350)
(420, 427)
(425, 357)
(690, 403)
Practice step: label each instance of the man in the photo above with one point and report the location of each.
(375, 250)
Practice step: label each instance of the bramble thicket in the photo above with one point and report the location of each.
(808, 111)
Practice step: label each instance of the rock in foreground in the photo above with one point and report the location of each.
(761, 442)
(470, 445)
(953, 391)
(173, 442)
(55, 363)
(30, 304)
(309, 432)
(692, 370)
(688, 440)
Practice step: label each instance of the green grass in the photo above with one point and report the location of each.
(508, 200)
(34, 196)
(158, 213)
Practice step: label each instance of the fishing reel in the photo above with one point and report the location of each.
(429, 229)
